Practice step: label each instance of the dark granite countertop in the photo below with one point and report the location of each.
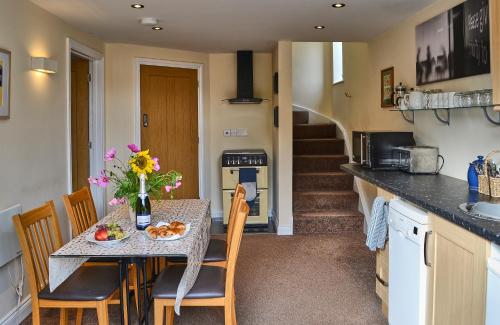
(438, 194)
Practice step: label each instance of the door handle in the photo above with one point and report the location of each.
(379, 279)
(425, 248)
(145, 120)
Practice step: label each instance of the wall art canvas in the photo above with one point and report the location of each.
(4, 84)
(387, 87)
(454, 44)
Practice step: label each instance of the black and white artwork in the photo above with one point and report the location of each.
(454, 44)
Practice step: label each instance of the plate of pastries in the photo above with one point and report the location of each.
(168, 230)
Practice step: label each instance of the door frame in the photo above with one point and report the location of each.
(96, 116)
(201, 127)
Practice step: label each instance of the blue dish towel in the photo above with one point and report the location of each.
(248, 179)
(377, 226)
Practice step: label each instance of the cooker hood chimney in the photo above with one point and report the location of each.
(244, 92)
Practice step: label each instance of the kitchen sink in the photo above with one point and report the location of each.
(484, 210)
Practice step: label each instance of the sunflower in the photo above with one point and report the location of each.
(142, 163)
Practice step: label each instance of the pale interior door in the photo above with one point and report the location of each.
(169, 122)
(80, 151)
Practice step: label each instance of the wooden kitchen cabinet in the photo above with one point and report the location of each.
(382, 265)
(457, 280)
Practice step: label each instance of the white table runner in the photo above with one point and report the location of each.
(68, 258)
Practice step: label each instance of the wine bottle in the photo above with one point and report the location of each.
(143, 206)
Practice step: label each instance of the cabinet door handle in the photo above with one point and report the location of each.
(145, 120)
(379, 279)
(425, 248)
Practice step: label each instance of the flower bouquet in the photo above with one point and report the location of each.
(125, 177)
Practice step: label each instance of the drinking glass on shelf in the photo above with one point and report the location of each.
(467, 100)
(486, 97)
(476, 97)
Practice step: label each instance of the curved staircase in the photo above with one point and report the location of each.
(323, 196)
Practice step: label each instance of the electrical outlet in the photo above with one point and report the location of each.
(227, 132)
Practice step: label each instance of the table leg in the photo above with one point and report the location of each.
(146, 298)
(122, 316)
(138, 266)
(127, 286)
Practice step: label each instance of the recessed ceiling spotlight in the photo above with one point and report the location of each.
(137, 6)
(319, 27)
(157, 28)
(338, 5)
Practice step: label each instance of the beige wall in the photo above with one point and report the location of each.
(33, 140)
(121, 83)
(219, 82)
(312, 75)
(469, 133)
(258, 119)
(283, 139)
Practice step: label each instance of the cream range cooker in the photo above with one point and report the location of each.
(232, 162)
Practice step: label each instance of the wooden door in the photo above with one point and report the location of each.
(80, 153)
(169, 119)
(458, 275)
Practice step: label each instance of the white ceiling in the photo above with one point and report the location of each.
(228, 25)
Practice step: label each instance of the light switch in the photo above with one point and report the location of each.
(242, 132)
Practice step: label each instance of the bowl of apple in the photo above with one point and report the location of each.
(107, 235)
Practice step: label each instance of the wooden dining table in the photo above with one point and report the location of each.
(139, 247)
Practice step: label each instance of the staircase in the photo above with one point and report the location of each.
(323, 196)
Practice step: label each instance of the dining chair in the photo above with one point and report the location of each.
(82, 214)
(214, 285)
(88, 287)
(218, 249)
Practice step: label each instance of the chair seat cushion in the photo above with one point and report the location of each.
(85, 284)
(216, 252)
(211, 283)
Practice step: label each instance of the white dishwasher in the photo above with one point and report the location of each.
(408, 273)
(493, 295)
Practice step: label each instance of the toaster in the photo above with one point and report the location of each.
(418, 159)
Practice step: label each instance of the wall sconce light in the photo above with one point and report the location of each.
(44, 65)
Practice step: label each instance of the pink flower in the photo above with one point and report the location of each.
(110, 154)
(156, 167)
(134, 148)
(177, 184)
(103, 180)
(168, 188)
(92, 180)
(115, 201)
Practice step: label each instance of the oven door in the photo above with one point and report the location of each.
(258, 210)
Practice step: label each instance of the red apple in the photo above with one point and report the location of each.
(101, 234)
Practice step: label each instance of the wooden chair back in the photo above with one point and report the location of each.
(239, 193)
(39, 236)
(239, 224)
(81, 210)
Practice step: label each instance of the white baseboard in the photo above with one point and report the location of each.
(17, 315)
(217, 214)
(285, 230)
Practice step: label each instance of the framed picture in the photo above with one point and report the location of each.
(4, 84)
(387, 87)
(454, 44)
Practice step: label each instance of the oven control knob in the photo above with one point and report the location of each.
(260, 161)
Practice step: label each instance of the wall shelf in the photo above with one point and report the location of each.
(490, 116)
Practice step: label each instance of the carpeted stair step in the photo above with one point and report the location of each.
(314, 131)
(318, 163)
(300, 117)
(336, 181)
(318, 147)
(328, 222)
(316, 201)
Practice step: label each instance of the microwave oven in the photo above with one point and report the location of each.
(375, 149)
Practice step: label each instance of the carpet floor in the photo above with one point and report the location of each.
(301, 279)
